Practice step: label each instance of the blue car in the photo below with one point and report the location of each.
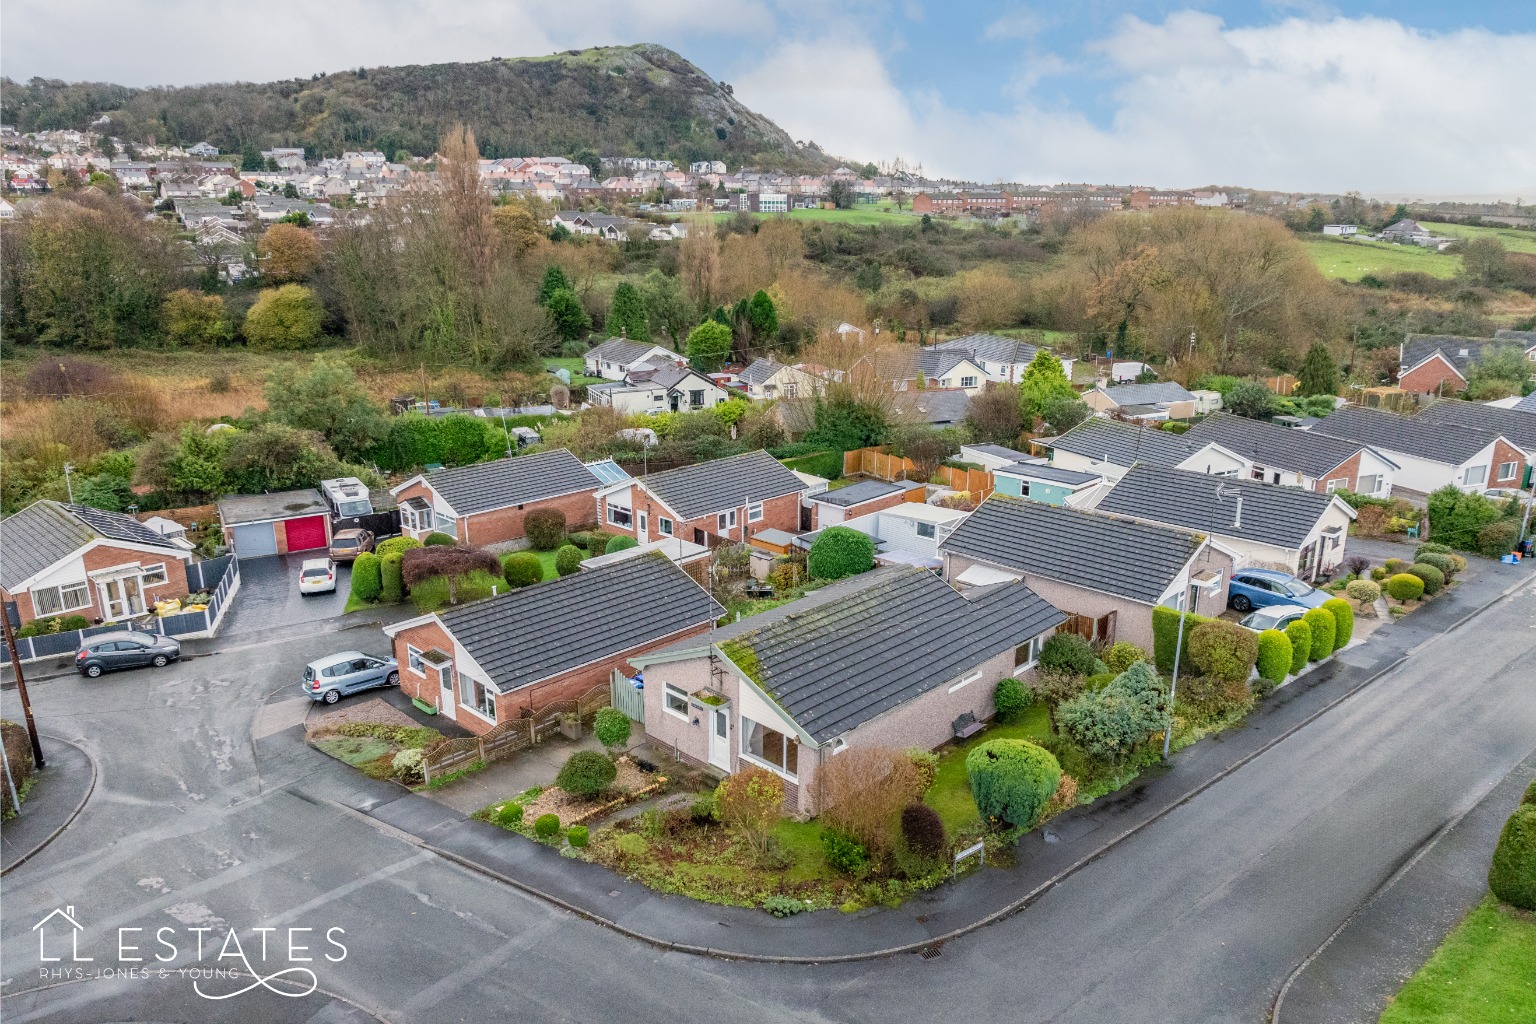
(1260, 588)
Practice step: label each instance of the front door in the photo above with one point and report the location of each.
(720, 738)
(642, 533)
(122, 598)
(445, 701)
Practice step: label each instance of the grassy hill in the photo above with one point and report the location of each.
(642, 100)
(1350, 261)
(1514, 241)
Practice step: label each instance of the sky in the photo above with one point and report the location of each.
(1393, 98)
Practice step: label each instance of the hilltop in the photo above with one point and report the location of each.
(641, 100)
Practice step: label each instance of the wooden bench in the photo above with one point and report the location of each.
(966, 726)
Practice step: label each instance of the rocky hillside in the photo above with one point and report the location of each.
(642, 100)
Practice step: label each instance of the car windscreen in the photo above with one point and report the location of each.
(355, 508)
(1263, 620)
(1296, 588)
(346, 542)
(317, 571)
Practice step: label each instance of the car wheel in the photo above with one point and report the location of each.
(393, 679)
(93, 671)
(160, 661)
(1241, 603)
(332, 696)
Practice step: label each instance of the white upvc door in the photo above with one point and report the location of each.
(642, 532)
(720, 738)
(122, 598)
(445, 699)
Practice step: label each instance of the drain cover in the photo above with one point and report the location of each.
(935, 950)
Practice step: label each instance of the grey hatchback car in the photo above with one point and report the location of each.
(107, 652)
(331, 678)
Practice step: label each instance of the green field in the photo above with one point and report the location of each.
(576, 366)
(1484, 973)
(1514, 241)
(1350, 261)
(862, 215)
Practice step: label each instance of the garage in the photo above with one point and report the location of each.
(306, 533)
(254, 540)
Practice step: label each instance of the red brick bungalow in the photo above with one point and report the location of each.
(1440, 364)
(485, 663)
(712, 503)
(58, 560)
(485, 503)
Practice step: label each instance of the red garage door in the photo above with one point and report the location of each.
(306, 533)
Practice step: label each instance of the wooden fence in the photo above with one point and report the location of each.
(509, 737)
(882, 465)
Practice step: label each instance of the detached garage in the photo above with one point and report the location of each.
(275, 524)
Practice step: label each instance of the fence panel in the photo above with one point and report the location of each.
(623, 695)
(183, 622)
(208, 573)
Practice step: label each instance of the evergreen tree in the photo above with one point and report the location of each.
(628, 315)
(567, 315)
(708, 346)
(554, 281)
(1319, 374)
(762, 315)
(1044, 380)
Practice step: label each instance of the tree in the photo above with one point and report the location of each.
(286, 317)
(627, 315)
(1485, 261)
(709, 344)
(667, 308)
(995, 415)
(612, 727)
(698, 261)
(251, 158)
(567, 315)
(455, 565)
(1502, 371)
(750, 801)
(762, 316)
(1012, 780)
(1062, 413)
(554, 281)
(276, 457)
(861, 792)
(192, 318)
(840, 551)
(589, 159)
(1250, 398)
(1319, 374)
(288, 253)
(290, 191)
(1043, 380)
(925, 446)
(327, 398)
(1109, 722)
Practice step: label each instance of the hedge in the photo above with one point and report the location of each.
(1012, 780)
(391, 578)
(1443, 562)
(822, 464)
(545, 528)
(1224, 650)
(840, 551)
(396, 545)
(1343, 621)
(367, 578)
(522, 569)
(1275, 656)
(1300, 635)
(437, 592)
(1364, 591)
(1067, 652)
(436, 539)
(1512, 875)
(1165, 633)
(1324, 628)
(622, 542)
(568, 559)
(1121, 655)
(1011, 698)
(1404, 587)
(1434, 579)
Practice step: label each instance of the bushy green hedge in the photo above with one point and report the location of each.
(1444, 562)
(546, 826)
(1434, 579)
(1224, 650)
(586, 773)
(391, 578)
(840, 551)
(1405, 587)
(1300, 635)
(1512, 875)
(367, 579)
(414, 440)
(1165, 634)
(1324, 629)
(1068, 652)
(437, 592)
(545, 528)
(1364, 591)
(1121, 655)
(623, 542)
(522, 569)
(1343, 621)
(53, 625)
(1011, 698)
(1012, 780)
(436, 539)
(568, 560)
(396, 546)
(1275, 655)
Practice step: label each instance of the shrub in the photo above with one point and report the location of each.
(1395, 566)
(1108, 723)
(702, 810)
(568, 560)
(546, 826)
(396, 546)
(510, 815)
(926, 764)
(1379, 573)
(1224, 649)
(783, 906)
(1530, 794)
(1512, 875)
(1365, 592)
(611, 727)
(1211, 697)
(1434, 579)
(1430, 547)
(1324, 627)
(1343, 621)
(862, 791)
(1056, 688)
(1165, 634)
(1067, 652)
(1440, 561)
(1121, 655)
(522, 569)
(1458, 562)
(750, 802)
(1011, 699)
(407, 763)
(1011, 780)
(367, 580)
(844, 853)
(1275, 656)
(596, 542)
(545, 528)
(437, 592)
(923, 830)
(288, 317)
(1300, 635)
(1498, 539)
(840, 551)
(586, 773)
(1063, 799)
(577, 836)
(622, 542)
(419, 564)
(391, 579)
(1404, 587)
(435, 539)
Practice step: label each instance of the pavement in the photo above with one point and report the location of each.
(269, 595)
(1356, 973)
(57, 794)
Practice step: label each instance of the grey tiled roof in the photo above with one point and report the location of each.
(257, 508)
(934, 406)
(1526, 404)
(1516, 427)
(515, 481)
(1451, 443)
(857, 494)
(619, 350)
(1277, 447)
(1123, 444)
(47, 531)
(694, 491)
(759, 371)
(536, 632)
(1271, 514)
(993, 348)
(1047, 472)
(1106, 553)
(1157, 393)
(1462, 352)
(1525, 338)
(885, 638)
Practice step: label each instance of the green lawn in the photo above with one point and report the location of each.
(1350, 261)
(546, 561)
(576, 366)
(950, 793)
(1484, 973)
(1514, 240)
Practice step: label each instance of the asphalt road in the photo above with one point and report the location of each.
(1197, 918)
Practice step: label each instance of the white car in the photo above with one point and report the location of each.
(317, 576)
(1275, 616)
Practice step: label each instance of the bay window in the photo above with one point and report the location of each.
(476, 695)
(769, 748)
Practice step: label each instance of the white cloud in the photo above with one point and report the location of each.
(1019, 23)
(1338, 104)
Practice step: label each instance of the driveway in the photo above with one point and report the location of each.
(269, 594)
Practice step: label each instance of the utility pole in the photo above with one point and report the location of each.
(21, 688)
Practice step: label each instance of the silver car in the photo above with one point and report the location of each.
(334, 677)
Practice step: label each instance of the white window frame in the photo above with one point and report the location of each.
(1480, 472)
(1032, 658)
(1507, 470)
(967, 382)
(967, 681)
(414, 660)
(755, 512)
(1334, 485)
(477, 690)
(932, 528)
(615, 512)
(668, 694)
(726, 521)
(445, 524)
(144, 580)
(58, 596)
(664, 526)
(745, 731)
